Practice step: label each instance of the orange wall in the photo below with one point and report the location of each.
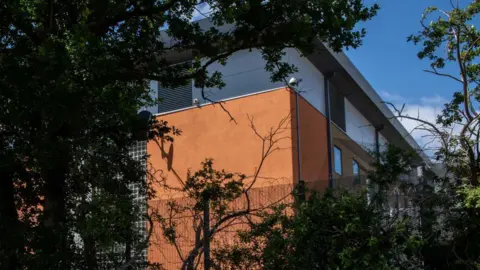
(313, 145)
(207, 132)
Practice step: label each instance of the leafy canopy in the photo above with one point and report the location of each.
(73, 75)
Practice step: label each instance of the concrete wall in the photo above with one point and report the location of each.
(311, 86)
(358, 128)
(207, 132)
(243, 74)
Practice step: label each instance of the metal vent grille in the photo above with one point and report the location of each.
(175, 98)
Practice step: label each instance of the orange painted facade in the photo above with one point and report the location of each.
(313, 145)
(236, 146)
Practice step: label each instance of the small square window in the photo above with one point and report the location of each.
(338, 160)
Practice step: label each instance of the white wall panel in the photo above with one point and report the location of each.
(358, 127)
(245, 74)
(383, 142)
(311, 86)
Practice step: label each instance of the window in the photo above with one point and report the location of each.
(356, 173)
(338, 160)
(337, 107)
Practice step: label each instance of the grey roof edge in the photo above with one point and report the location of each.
(362, 82)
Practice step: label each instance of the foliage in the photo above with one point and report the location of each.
(225, 197)
(450, 41)
(339, 229)
(209, 188)
(73, 76)
(436, 227)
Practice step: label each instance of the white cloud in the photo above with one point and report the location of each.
(426, 108)
(202, 11)
(391, 97)
(424, 112)
(434, 100)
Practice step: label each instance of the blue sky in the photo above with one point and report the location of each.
(386, 59)
(390, 63)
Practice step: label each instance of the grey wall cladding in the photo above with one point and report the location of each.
(176, 98)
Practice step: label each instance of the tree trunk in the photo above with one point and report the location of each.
(89, 248)
(128, 250)
(56, 246)
(11, 238)
(90, 253)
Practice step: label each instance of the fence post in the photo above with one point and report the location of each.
(206, 233)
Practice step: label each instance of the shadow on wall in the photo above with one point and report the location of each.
(167, 156)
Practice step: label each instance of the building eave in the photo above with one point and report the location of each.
(361, 94)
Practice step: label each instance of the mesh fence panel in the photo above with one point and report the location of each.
(170, 255)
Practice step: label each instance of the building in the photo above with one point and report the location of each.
(328, 125)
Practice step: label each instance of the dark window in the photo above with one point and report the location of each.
(338, 160)
(337, 107)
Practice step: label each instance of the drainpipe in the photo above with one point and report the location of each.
(301, 183)
(328, 76)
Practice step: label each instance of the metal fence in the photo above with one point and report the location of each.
(169, 254)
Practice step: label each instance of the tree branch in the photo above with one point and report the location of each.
(135, 258)
(101, 27)
(434, 71)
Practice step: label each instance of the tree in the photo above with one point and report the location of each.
(74, 74)
(450, 41)
(338, 229)
(216, 203)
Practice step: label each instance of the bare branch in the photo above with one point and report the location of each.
(433, 127)
(443, 75)
(223, 221)
(232, 119)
